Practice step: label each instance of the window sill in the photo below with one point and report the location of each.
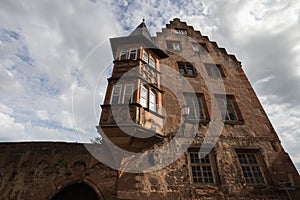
(200, 121)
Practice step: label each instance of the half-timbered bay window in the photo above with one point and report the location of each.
(201, 169)
(251, 167)
(122, 94)
(128, 54)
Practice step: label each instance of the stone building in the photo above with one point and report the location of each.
(180, 120)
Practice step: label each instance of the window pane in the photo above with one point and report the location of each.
(132, 54)
(123, 54)
(195, 47)
(152, 101)
(128, 94)
(116, 94)
(176, 46)
(144, 97)
(152, 62)
(145, 56)
(190, 70)
(201, 171)
(181, 69)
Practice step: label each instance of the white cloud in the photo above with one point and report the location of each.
(10, 129)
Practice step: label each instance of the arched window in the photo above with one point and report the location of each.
(144, 97)
(152, 102)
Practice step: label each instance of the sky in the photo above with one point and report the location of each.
(55, 58)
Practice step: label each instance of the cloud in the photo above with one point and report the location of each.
(44, 46)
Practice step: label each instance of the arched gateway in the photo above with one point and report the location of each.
(79, 191)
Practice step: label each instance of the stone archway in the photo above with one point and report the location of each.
(78, 191)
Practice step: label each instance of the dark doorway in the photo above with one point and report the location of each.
(77, 191)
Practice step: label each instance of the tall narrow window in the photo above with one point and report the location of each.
(201, 168)
(144, 97)
(127, 97)
(250, 167)
(145, 56)
(195, 103)
(152, 103)
(132, 54)
(123, 54)
(152, 61)
(116, 93)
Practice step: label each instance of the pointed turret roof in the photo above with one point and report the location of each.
(142, 30)
(140, 35)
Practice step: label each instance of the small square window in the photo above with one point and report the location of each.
(186, 69)
(173, 45)
(214, 70)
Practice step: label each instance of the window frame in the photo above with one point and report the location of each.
(214, 70)
(126, 53)
(119, 95)
(185, 68)
(152, 61)
(212, 164)
(234, 106)
(152, 101)
(202, 106)
(172, 43)
(262, 179)
(124, 93)
(146, 98)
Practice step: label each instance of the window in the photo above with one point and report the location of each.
(181, 31)
(228, 107)
(250, 167)
(123, 54)
(214, 70)
(195, 103)
(201, 168)
(152, 62)
(128, 93)
(126, 54)
(203, 48)
(173, 45)
(186, 69)
(152, 101)
(133, 54)
(144, 97)
(116, 93)
(145, 56)
(195, 47)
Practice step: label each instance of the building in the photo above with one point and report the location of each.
(180, 120)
